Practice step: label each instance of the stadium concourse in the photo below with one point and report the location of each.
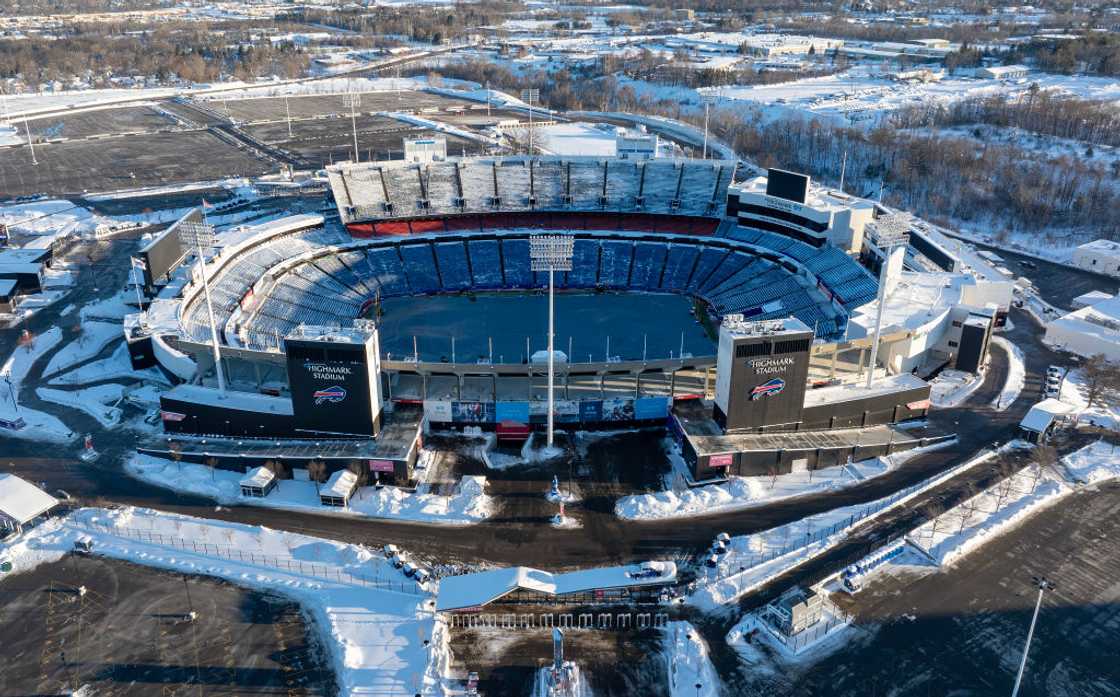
(291, 301)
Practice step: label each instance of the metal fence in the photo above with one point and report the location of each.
(809, 635)
(324, 572)
(623, 621)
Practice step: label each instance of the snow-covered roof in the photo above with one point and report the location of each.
(340, 485)
(1041, 415)
(231, 399)
(258, 477)
(1091, 298)
(21, 500)
(849, 391)
(478, 589)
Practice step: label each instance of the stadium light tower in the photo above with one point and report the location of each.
(201, 235)
(1043, 585)
(353, 100)
(891, 232)
(530, 97)
(551, 253)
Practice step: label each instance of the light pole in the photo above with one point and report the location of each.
(551, 253)
(1043, 586)
(353, 100)
(201, 235)
(530, 97)
(890, 233)
(288, 115)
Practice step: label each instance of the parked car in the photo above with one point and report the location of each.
(421, 576)
(399, 560)
(409, 569)
(390, 551)
(724, 538)
(712, 561)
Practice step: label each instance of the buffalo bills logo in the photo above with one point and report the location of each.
(330, 394)
(768, 388)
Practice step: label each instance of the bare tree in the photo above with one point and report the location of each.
(1102, 379)
(278, 469)
(212, 463)
(175, 452)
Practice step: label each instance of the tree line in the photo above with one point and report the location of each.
(189, 51)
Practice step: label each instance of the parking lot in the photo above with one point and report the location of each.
(99, 122)
(127, 634)
(321, 141)
(272, 108)
(919, 631)
(122, 162)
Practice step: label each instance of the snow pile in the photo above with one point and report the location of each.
(744, 492)
(469, 505)
(951, 387)
(983, 517)
(530, 455)
(1096, 462)
(686, 658)
(1016, 374)
(50, 217)
(738, 493)
(116, 366)
(373, 631)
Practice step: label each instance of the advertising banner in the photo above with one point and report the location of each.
(618, 410)
(590, 411)
(512, 411)
(651, 408)
(724, 460)
(381, 466)
(472, 412)
(566, 411)
(437, 412)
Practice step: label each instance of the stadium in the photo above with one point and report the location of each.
(654, 255)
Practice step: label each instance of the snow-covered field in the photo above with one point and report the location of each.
(864, 93)
(373, 621)
(576, 138)
(1016, 374)
(688, 664)
(469, 505)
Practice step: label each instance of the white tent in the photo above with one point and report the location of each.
(22, 502)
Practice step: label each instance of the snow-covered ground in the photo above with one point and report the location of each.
(1096, 462)
(951, 387)
(18, 104)
(686, 659)
(752, 560)
(98, 401)
(1073, 392)
(50, 217)
(37, 425)
(532, 453)
(864, 93)
(114, 367)
(983, 517)
(748, 492)
(373, 621)
(1016, 374)
(469, 505)
(94, 338)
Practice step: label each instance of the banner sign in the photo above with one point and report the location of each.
(381, 466)
(618, 410)
(725, 460)
(590, 411)
(472, 412)
(651, 408)
(437, 411)
(512, 411)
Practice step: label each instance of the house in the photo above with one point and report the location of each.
(258, 482)
(338, 489)
(21, 503)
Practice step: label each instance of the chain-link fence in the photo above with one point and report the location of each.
(373, 578)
